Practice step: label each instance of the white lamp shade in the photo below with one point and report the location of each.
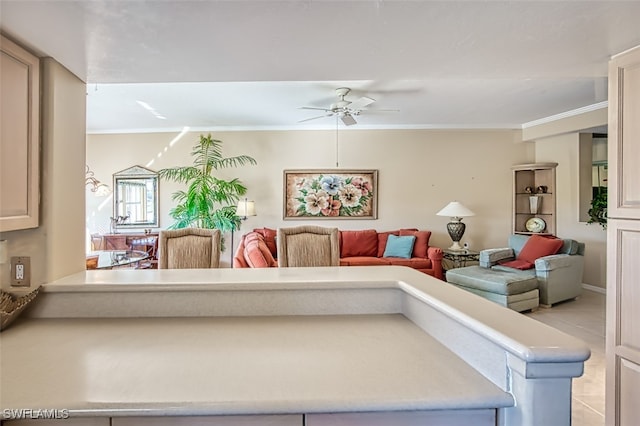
(455, 209)
(246, 208)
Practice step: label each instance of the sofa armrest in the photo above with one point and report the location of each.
(490, 257)
(238, 257)
(555, 261)
(434, 253)
(559, 277)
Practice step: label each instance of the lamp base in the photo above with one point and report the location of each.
(456, 231)
(456, 246)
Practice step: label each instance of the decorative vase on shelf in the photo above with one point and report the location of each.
(534, 204)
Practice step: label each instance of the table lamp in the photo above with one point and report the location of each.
(456, 212)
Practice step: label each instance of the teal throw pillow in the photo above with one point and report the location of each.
(399, 246)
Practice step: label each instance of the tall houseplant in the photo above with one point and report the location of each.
(208, 202)
(598, 210)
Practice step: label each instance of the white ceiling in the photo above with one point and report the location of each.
(252, 64)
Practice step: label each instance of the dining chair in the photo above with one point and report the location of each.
(189, 248)
(308, 246)
(96, 242)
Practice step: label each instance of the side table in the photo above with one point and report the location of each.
(459, 258)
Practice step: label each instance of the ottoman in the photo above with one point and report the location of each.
(515, 289)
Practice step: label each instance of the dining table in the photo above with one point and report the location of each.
(109, 259)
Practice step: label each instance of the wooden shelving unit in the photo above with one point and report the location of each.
(527, 179)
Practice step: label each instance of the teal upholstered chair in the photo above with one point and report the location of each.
(555, 278)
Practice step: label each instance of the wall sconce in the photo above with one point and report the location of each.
(94, 185)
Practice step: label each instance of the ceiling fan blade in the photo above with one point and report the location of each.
(315, 118)
(369, 111)
(361, 103)
(317, 109)
(348, 120)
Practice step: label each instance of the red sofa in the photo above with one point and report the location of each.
(257, 249)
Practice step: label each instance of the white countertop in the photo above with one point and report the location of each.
(188, 366)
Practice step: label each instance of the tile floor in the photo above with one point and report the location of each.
(583, 318)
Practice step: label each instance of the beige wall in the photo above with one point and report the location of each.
(420, 171)
(564, 150)
(56, 246)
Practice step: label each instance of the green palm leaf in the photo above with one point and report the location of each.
(207, 202)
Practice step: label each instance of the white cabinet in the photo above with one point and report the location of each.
(19, 137)
(255, 420)
(252, 420)
(486, 417)
(77, 421)
(534, 184)
(623, 242)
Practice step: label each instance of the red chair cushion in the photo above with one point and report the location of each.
(517, 264)
(538, 246)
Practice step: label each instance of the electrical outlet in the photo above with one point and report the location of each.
(21, 271)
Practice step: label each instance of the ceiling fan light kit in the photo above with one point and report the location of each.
(343, 108)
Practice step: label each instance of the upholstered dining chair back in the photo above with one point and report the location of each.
(308, 246)
(96, 242)
(189, 248)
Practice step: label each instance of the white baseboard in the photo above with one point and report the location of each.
(594, 288)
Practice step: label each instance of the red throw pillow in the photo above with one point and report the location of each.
(359, 243)
(538, 246)
(422, 241)
(518, 264)
(382, 241)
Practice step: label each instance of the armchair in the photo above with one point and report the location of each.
(553, 278)
(559, 275)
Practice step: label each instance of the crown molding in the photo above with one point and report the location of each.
(562, 115)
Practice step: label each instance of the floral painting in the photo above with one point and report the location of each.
(330, 194)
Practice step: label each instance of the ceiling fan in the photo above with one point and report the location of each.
(345, 110)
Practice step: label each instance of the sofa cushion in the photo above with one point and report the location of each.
(364, 261)
(538, 246)
(359, 243)
(399, 246)
(257, 254)
(269, 239)
(494, 280)
(382, 241)
(422, 241)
